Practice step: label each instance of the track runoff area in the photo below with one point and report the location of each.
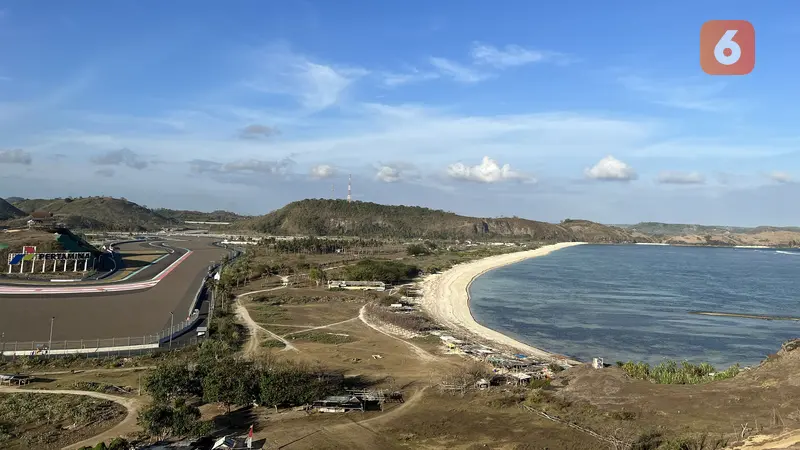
(94, 312)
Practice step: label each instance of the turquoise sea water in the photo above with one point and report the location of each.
(624, 302)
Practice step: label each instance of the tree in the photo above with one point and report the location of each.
(317, 275)
(230, 382)
(171, 380)
(119, 444)
(184, 418)
(156, 420)
(163, 420)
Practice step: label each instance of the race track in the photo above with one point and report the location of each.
(107, 315)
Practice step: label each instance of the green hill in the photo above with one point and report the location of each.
(107, 213)
(339, 218)
(198, 216)
(9, 211)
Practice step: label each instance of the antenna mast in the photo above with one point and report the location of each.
(349, 184)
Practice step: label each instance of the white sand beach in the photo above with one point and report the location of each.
(446, 296)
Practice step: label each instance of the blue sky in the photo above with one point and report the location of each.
(540, 110)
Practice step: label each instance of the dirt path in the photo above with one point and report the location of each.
(253, 344)
(423, 355)
(128, 424)
(781, 441)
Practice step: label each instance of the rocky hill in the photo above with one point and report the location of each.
(9, 211)
(687, 234)
(339, 218)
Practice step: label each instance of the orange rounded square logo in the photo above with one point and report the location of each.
(727, 47)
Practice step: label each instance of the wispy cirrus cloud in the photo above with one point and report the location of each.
(458, 72)
(413, 75)
(686, 93)
(314, 84)
(675, 177)
(513, 56)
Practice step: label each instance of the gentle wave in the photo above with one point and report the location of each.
(787, 253)
(633, 302)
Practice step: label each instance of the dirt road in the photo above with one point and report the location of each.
(253, 344)
(128, 424)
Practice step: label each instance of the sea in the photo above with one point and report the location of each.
(635, 302)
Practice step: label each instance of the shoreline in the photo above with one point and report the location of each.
(446, 298)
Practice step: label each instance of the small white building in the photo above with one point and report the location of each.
(358, 285)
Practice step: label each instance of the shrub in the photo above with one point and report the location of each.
(669, 372)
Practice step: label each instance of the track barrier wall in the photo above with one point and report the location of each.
(128, 345)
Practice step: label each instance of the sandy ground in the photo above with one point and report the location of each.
(446, 296)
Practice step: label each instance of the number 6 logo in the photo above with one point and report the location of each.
(727, 47)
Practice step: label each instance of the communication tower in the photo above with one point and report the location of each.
(349, 186)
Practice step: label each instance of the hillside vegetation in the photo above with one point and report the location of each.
(107, 213)
(9, 211)
(198, 216)
(338, 217)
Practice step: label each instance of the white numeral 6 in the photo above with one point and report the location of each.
(726, 42)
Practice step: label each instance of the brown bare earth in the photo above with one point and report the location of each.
(607, 402)
(780, 238)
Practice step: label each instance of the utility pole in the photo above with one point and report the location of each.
(50, 341)
(171, 321)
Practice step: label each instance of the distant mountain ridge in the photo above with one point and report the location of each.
(319, 217)
(107, 213)
(678, 229)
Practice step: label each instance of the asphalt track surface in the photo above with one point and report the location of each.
(106, 315)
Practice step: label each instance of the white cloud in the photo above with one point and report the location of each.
(781, 177)
(315, 85)
(394, 172)
(488, 171)
(322, 171)
(509, 56)
(414, 75)
(121, 157)
(611, 169)
(16, 156)
(456, 71)
(108, 173)
(247, 166)
(672, 177)
(688, 93)
(257, 131)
